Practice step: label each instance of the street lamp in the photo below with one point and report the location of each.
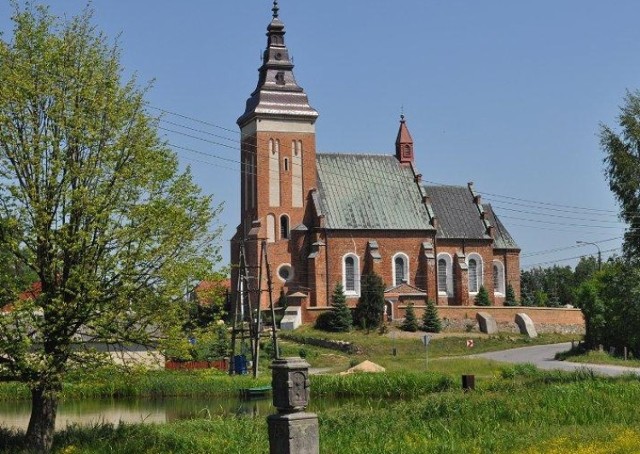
(599, 253)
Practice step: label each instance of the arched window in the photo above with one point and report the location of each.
(442, 276)
(445, 275)
(271, 228)
(400, 269)
(474, 263)
(498, 277)
(284, 227)
(351, 275)
(473, 275)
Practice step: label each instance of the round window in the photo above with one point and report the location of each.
(285, 272)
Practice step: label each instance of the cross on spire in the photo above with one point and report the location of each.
(275, 9)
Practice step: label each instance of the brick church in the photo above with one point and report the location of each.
(328, 218)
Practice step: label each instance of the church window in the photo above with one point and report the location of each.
(286, 164)
(284, 227)
(445, 275)
(473, 275)
(285, 272)
(442, 276)
(498, 277)
(474, 264)
(350, 275)
(400, 269)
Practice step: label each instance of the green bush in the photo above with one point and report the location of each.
(430, 319)
(510, 299)
(370, 308)
(482, 298)
(410, 320)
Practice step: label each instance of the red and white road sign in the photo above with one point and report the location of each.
(470, 343)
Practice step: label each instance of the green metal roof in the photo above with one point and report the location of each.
(369, 192)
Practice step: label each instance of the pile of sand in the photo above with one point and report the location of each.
(365, 366)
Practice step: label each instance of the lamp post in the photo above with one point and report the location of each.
(599, 253)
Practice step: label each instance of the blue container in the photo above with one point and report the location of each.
(240, 365)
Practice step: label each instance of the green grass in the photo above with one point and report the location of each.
(109, 382)
(596, 357)
(524, 411)
(446, 356)
(410, 352)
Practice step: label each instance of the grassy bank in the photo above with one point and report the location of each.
(110, 382)
(410, 354)
(579, 355)
(523, 412)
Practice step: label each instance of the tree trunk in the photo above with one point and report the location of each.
(44, 407)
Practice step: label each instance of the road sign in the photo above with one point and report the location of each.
(470, 343)
(426, 339)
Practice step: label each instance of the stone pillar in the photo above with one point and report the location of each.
(292, 430)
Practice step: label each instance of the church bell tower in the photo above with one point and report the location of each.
(278, 161)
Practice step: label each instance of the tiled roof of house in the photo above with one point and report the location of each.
(363, 191)
(456, 214)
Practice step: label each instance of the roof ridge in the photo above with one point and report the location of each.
(353, 153)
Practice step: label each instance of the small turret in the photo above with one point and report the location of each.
(404, 143)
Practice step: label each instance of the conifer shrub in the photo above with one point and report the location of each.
(482, 298)
(370, 307)
(430, 319)
(338, 319)
(510, 299)
(410, 320)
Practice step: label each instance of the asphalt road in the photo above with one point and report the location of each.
(542, 356)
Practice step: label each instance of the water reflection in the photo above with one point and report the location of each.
(86, 412)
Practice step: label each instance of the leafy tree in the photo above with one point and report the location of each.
(410, 322)
(548, 287)
(586, 268)
(15, 277)
(540, 299)
(593, 309)
(510, 297)
(619, 289)
(99, 210)
(430, 319)
(482, 297)
(370, 307)
(622, 168)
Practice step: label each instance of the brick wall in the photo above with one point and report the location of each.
(547, 315)
(340, 243)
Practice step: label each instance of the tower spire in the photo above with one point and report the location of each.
(277, 93)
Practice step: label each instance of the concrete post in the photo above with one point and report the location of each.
(292, 430)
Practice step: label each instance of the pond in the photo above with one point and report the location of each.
(85, 412)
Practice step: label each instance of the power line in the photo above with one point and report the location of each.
(574, 246)
(569, 258)
(517, 199)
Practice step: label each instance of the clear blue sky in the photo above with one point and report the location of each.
(507, 94)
